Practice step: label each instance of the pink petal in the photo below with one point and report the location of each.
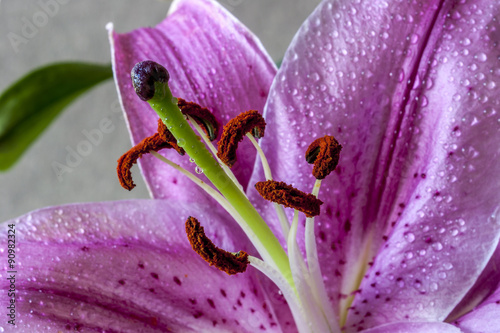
(414, 328)
(485, 285)
(409, 90)
(449, 227)
(213, 60)
(128, 267)
(485, 318)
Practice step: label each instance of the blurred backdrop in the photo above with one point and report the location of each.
(76, 32)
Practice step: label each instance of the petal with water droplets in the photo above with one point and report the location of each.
(446, 164)
(409, 90)
(128, 267)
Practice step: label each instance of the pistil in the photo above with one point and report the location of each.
(165, 105)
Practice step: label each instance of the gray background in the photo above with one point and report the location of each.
(76, 32)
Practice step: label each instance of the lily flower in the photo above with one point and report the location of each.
(402, 236)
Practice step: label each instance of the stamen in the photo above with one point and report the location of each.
(285, 225)
(152, 143)
(210, 146)
(235, 130)
(302, 281)
(324, 153)
(168, 137)
(289, 196)
(223, 260)
(202, 116)
(289, 293)
(318, 286)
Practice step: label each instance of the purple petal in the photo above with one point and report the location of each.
(484, 318)
(449, 226)
(414, 328)
(213, 60)
(486, 284)
(128, 267)
(409, 90)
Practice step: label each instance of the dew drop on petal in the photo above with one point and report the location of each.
(414, 39)
(481, 57)
(437, 246)
(448, 266)
(410, 237)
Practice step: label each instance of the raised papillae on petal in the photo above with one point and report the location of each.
(235, 130)
(144, 76)
(223, 260)
(324, 154)
(289, 196)
(202, 116)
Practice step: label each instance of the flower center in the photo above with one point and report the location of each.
(299, 278)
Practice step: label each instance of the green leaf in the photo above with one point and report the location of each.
(29, 105)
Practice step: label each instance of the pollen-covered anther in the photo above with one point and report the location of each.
(324, 153)
(125, 162)
(202, 116)
(223, 260)
(235, 130)
(169, 137)
(289, 196)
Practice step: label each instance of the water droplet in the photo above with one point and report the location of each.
(410, 237)
(191, 160)
(414, 39)
(433, 286)
(181, 142)
(424, 101)
(491, 85)
(466, 41)
(198, 170)
(437, 246)
(448, 266)
(481, 57)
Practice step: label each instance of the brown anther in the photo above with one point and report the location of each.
(202, 116)
(168, 137)
(235, 130)
(289, 196)
(324, 153)
(152, 143)
(223, 260)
